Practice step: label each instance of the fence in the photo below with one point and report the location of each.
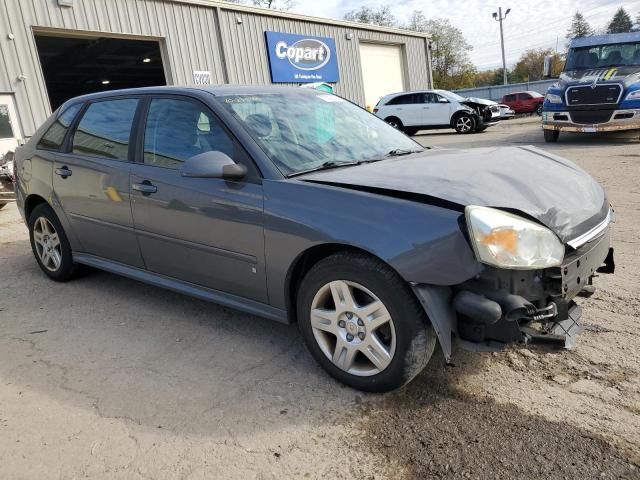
(495, 92)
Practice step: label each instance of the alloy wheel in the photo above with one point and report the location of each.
(464, 124)
(353, 328)
(47, 244)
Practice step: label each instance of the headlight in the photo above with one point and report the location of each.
(553, 98)
(635, 95)
(508, 241)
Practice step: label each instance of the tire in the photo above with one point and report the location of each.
(395, 123)
(411, 131)
(539, 110)
(45, 231)
(481, 129)
(464, 123)
(403, 339)
(551, 135)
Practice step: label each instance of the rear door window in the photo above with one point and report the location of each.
(54, 136)
(403, 100)
(524, 96)
(509, 98)
(105, 129)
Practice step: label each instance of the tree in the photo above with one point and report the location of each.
(452, 67)
(579, 27)
(638, 23)
(275, 4)
(621, 22)
(529, 66)
(381, 16)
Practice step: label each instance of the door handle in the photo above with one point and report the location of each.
(64, 172)
(145, 187)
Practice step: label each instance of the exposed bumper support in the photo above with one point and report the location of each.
(562, 121)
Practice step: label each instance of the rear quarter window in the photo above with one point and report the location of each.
(54, 136)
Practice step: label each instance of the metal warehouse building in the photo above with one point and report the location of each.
(51, 50)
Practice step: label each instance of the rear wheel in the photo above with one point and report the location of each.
(551, 135)
(363, 324)
(50, 244)
(464, 123)
(394, 122)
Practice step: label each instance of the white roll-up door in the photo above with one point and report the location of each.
(382, 70)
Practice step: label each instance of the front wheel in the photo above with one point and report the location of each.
(464, 123)
(363, 324)
(551, 135)
(394, 122)
(539, 110)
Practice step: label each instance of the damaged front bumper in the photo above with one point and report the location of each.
(502, 306)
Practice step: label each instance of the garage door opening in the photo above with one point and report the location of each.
(382, 71)
(75, 66)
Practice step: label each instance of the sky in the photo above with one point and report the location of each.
(530, 24)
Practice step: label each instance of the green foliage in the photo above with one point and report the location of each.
(381, 16)
(579, 27)
(621, 22)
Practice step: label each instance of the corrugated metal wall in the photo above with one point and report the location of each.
(496, 92)
(190, 40)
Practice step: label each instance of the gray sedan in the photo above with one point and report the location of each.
(299, 206)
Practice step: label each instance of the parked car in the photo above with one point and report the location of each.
(524, 102)
(6, 179)
(299, 206)
(431, 109)
(506, 112)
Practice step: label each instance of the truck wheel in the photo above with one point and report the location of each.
(362, 323)
(464, 123)
(551, 135)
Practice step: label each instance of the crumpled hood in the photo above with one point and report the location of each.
(481, 101)
(626, 75)
(549, 188)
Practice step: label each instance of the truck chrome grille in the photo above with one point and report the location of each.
(603, 94)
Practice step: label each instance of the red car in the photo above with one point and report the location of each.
(524, 102)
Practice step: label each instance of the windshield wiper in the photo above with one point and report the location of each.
(400, 151)
(325, 166)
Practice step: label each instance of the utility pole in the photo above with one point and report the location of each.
(497, 16)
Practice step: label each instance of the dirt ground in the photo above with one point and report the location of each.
(104, 377)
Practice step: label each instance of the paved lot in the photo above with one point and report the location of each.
(108, 378)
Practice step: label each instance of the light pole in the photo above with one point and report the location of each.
(497, 16)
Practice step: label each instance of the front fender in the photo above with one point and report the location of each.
(421, 241)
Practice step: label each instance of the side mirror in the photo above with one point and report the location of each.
(547, 67)
(442, 100)
(213, 164)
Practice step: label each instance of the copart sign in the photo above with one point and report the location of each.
(301, 58)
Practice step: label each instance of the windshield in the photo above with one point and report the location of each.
(603, 56)
(450, 95)
(303, 131)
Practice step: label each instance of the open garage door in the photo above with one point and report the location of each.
(382, 71)
(75, 65)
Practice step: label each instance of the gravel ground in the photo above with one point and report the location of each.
(108, 378)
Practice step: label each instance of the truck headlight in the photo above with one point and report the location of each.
(553, 98)
(635, 95)
(509, 241)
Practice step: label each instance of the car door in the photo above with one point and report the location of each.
(525, 102)
(407, 107)
(511, 100)
(436, 108)
(91, 180)
(206, 231)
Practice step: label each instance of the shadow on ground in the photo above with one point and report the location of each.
(432, 429)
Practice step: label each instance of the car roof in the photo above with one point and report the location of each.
(216, 90)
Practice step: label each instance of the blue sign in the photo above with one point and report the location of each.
(301, 58)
